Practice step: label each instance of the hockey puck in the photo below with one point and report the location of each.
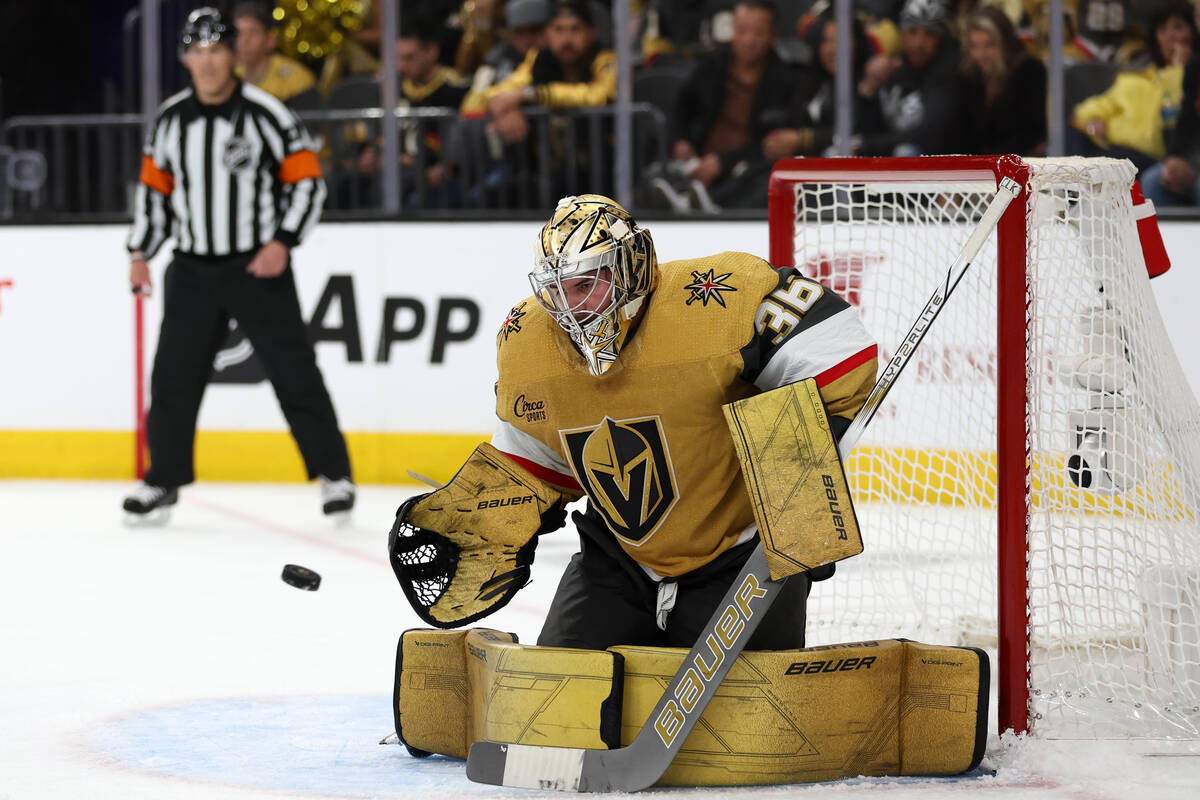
(301, 577)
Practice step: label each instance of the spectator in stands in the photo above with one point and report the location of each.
(524, 32)
(257, 61)
(571, 71)
(1103, 27)
(480, 21)
(878, 18)
(684, 28)
(915, 90)
(424, 83)
(435, 14)
(475, 149)
(1133, 118)
(735, 97)
(814, 99)
(1176, 181)
(1001, 104)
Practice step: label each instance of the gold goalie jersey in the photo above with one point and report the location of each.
(647, 441)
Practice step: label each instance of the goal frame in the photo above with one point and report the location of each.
(1013, 367)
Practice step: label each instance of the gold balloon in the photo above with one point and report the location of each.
(317, 28)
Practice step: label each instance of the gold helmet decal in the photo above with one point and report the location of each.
(625, 468)
(593, 242)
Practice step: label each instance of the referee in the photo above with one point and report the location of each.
(231, 173)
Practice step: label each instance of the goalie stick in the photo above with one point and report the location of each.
(641, 763)
(139, 384)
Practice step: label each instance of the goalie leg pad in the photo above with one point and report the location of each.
(795, 480)
(890, 707)
(458, 687)
(462, 552)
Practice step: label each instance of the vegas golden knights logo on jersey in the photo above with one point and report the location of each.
(625, 468)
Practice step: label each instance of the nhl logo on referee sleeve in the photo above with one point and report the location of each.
(237, 154)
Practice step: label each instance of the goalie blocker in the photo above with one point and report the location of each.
(795, 479)
(890, 707)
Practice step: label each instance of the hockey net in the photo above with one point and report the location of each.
(1030, 485)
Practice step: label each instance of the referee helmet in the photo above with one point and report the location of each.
(205, 26)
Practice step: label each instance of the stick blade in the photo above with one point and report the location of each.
(485, 763)
(526, 766)
(565, 769)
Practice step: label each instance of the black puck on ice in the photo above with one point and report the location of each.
(301, 577)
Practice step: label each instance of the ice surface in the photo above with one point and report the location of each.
(173, 662)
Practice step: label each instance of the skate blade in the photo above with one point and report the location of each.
(340, 519)
(151, 519)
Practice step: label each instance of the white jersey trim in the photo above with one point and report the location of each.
(507, 438)
(815, 349)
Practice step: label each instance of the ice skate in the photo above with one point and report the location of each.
(337, 498)
(150, 505)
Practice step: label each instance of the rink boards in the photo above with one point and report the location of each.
(404, 316)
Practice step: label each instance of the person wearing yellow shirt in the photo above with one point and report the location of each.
(258, 63)
(524, 33)
(570, 72)
(1134, 116)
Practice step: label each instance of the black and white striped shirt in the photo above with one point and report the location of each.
(226, 179)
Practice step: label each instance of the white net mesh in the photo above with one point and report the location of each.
(1113, 434)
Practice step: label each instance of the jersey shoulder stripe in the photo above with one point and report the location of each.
(534, 456)
(814, 350)
(848, 365)
(270, 104)
(797, 307)
(172, 103)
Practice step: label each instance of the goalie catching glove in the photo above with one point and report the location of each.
(462, 552)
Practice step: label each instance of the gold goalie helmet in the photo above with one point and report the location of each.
(593, 268)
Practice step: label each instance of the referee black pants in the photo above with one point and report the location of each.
(199, 297)
(604, 598)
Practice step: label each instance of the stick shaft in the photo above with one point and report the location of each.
(1005, 192)
(139, 386)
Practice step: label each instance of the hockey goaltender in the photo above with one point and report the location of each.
(697, 405)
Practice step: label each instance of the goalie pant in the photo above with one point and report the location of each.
(605, 598)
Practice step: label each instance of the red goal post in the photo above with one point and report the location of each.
(1039, 419)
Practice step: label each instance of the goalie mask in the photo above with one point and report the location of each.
(593, 269)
